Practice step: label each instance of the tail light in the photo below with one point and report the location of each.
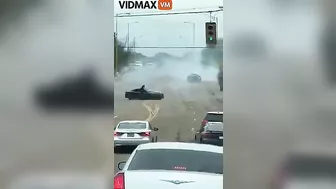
(204, 122)
(119, 181)
(145, 134)
(117, 134)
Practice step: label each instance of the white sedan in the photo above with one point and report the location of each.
(133, 133)
(172, 165)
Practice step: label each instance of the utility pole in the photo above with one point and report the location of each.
(128, 32)
(193, 33)
(116, 38)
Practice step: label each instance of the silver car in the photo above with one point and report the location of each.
(133, 133)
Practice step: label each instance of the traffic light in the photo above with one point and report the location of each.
(211, 33)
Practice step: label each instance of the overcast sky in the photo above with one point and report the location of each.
(286, 29)
(169, 30)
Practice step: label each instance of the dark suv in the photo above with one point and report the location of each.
(212, 117)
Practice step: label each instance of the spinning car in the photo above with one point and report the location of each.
(143, 94)
(194, 78)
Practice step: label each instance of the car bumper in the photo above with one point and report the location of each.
(130, 142)
(217, 142)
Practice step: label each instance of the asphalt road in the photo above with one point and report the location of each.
(176, 116)
(266, 113)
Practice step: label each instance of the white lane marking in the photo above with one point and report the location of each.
(152, 113)
(156, 111)
(149, 110)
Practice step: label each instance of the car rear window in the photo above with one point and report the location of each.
(215, 127)
(214, 117)
(173, 159)
(132, 125)
(311, 166)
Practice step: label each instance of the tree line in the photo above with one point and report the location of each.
(213, 56)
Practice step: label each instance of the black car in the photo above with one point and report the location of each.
(212, 133)
(143, 94)
(84, 92)
(194, 78)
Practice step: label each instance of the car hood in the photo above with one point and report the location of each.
(173, 179)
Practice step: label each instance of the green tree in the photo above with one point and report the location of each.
(213, 56)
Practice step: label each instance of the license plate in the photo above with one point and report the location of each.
(220, 137)
(130, 134)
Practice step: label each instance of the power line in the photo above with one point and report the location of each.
(168, 13)
(220, 46)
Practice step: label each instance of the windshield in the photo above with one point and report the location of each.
(136, 125)
(173, 159)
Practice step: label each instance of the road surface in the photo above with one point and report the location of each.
(176, 116)
(266, 113)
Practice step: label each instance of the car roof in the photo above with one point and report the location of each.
(181, 146)
(133, 121)
(214, 112)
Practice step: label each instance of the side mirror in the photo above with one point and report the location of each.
(156, 129)
(121, 165)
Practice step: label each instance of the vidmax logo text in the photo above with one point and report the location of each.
(159, 4)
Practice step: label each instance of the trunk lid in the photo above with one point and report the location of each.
(130, 133)
(172, 179)
(213, 135)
